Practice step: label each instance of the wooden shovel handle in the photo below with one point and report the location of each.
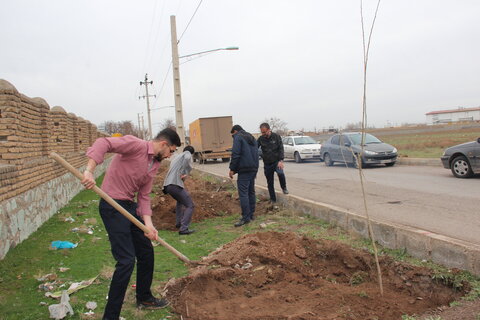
(114, 204)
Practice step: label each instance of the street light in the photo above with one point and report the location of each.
(162, 108)
(208, 51)
(176, 77)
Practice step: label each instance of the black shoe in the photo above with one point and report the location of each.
(285, 191)
(188, 231)
(241, 223)
(177, 226)
(252, 218)
(153, 303)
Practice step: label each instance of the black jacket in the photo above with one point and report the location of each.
(244, 153)
(272, 148)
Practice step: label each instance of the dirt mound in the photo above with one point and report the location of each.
(284, 276)
(210, 199)
(207, 205)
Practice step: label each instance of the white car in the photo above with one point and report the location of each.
(301, 148)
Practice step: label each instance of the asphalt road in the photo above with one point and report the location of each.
(428, 198)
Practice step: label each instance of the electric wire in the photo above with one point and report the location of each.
(163, 84)
(156, 37)
(188, 24)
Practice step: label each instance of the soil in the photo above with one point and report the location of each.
(272, 275)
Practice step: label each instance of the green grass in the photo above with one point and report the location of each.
(429, 144)
(20, 297)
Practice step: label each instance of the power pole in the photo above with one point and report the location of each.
(176, 82)
(147, 96)
(140, 129)
(143, 128)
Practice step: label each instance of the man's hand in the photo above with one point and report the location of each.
(88, 180)
(231, 174)
(183, 177)
(280, 165)
(153, 234)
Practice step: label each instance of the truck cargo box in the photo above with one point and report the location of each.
(211, 138)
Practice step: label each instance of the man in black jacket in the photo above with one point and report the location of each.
(272, 155)
(244, 161)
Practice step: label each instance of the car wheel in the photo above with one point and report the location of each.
(297, 157)
(461, 168)
(328, 160)
(390, 164)
(225, 159)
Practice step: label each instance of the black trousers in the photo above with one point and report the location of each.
(269, 170)
(128, 243)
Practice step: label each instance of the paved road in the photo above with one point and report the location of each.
(429, 198)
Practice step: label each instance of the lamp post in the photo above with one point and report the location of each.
(208, 51)
(176, 77)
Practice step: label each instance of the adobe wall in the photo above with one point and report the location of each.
(33, 186)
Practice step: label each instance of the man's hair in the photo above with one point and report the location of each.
(236, 127)
(265, 125)
(169, 135)
(189, 149)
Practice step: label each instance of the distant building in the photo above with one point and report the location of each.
(455, 115)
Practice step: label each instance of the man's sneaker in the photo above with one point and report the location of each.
(152, 303)
(177, 226)
(241, 223)
(184, 232)
(285, 191)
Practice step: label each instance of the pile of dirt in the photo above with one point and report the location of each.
(274, 275)
(210, 199)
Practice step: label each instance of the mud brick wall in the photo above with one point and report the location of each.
(32, 186)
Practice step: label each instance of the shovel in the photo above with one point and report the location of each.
(120, 209)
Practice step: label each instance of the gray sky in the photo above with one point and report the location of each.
(300, 61)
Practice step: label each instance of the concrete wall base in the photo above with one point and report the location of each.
(26, 212)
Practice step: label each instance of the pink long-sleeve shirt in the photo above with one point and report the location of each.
(131, 171)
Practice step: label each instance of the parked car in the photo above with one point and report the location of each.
(463, 159)
(300, 148)
(346, 147)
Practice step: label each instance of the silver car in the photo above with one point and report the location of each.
(346, 148)
(463, 159)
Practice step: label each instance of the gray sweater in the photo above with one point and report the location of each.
(180, 165)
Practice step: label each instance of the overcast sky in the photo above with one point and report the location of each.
(300, 61)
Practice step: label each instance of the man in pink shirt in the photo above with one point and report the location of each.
(131, 172)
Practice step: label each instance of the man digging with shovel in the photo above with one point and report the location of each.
(132, 171)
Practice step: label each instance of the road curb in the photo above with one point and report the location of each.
(422, 244)
(431, 162)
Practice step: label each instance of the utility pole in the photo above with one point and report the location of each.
(176, 82)
(147, 96)
(141, 130)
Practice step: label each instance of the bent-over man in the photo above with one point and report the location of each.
(180, 168)
(130, 173)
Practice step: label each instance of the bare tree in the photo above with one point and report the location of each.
(277, 125)
(168, 123)
(123, 127)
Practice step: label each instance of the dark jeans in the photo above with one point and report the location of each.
(127, 242)
(269, 170)
(246, 193)
(185, 206)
